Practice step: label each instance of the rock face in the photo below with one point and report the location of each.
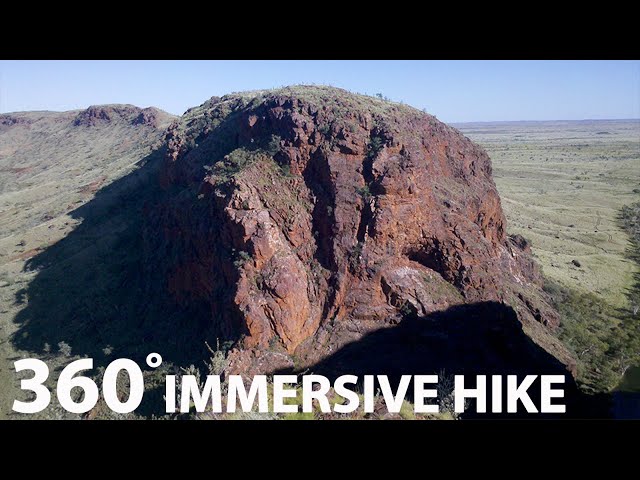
(303, 218)
(105, 114)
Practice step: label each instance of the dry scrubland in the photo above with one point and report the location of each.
(562, 186)
(47, 171)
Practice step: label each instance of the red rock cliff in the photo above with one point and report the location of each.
(308, 216)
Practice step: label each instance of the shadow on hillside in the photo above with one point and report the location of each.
(91, 291)
(94, 292)
(481, 338)
(99, 290)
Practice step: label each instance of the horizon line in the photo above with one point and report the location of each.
(448, 122)
(550, 120)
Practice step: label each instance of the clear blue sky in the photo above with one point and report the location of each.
(454, 91)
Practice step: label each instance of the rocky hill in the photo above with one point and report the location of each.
(69, 183)
(302, 219)
(47, 157)
(300, 229)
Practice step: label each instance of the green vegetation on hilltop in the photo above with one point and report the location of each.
(323, 95)
(343, 104)
(241, 158)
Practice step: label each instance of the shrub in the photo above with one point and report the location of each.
(407, 309)
(297, 400)
(324, 129)
(446, 397)
(407, 411)
(241, 257)
(273, 145)
(64, 348)
(364, 192)
(286, 170)
(239, 159)
(376, 144)
(218, 361)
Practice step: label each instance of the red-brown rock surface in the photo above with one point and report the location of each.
(105, 114)
(305, 217)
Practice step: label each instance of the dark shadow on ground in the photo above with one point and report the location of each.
(481, 338)
(103, 288)
(91, 290)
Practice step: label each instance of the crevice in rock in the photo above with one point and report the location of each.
(317, 178)
(330, 300)
(365, 218)
(431, 256)
(376, 144)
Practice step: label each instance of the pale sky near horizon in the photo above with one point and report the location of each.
(454, 91)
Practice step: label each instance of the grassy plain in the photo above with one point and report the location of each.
(563, 185)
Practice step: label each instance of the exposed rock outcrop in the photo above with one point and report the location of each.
(105, 114)
(305, 217)
(9, 120)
